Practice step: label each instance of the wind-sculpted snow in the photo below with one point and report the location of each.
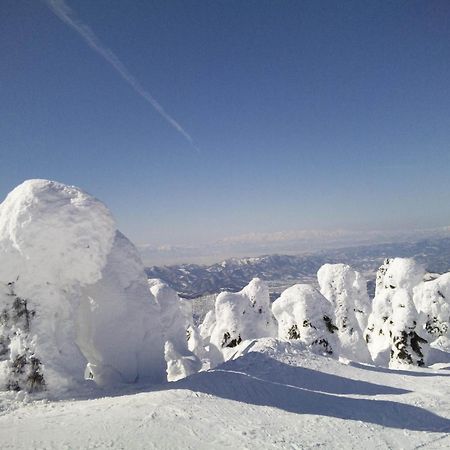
(74, 297)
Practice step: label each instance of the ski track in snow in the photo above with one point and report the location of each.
(278, 396)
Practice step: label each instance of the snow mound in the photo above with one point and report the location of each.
(346, 290)
(304, 313)
(241, 316)
(73, 294)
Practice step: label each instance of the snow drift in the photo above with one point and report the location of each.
(74, 297)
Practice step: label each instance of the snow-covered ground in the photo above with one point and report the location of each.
(273, 394)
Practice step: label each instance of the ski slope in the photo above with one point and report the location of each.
(272, 394)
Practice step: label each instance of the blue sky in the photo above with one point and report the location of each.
(307, 114)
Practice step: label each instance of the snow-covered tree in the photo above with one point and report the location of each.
(433, 299)
(304, 313)
(346, 290)
(407, 345)
(75, 294)
(23, 369)
(242, 315)
(207, 326)
(181, 362)
(398, 275)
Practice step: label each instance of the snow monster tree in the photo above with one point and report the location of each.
(346, 290)
(395, 328)
(74, 299)
(304, 313)
(241, 316)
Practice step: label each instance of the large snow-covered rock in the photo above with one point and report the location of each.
(393, 312)
(346, 289)
(181, 362)
(303, 313)
(241, 316)
(73, 294)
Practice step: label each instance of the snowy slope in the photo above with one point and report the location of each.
(274, 395)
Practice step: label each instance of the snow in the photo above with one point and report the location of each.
(304, 313)
(73, 292)
(274, 395)
(240, 316)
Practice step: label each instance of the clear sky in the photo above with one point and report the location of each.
(307, 114)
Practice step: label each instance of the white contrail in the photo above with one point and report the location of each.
(65, 13)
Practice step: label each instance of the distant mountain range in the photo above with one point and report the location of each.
(281, 271)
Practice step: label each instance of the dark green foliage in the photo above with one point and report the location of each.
(408, 348)
(329, 324)
(326, 346)
(436, 327)
(293, 332)
(230, 343)
(307, 323)
(25, 369)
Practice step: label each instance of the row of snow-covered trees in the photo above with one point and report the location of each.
(75, 303)
(410, 311)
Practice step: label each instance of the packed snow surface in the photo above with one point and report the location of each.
(273, 394)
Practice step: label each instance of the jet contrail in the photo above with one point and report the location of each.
(65, 13)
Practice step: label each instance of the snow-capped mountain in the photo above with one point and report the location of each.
(280, 271)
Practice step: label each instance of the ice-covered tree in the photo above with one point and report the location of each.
(181, 362)
(406, 331)
(433, 299)
(346, 290)
(397, 274)
(303, 313)
(22, 368)
(75, 295)
(242, 315)
(207, 326)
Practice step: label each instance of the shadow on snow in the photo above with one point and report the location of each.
(260, 380)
